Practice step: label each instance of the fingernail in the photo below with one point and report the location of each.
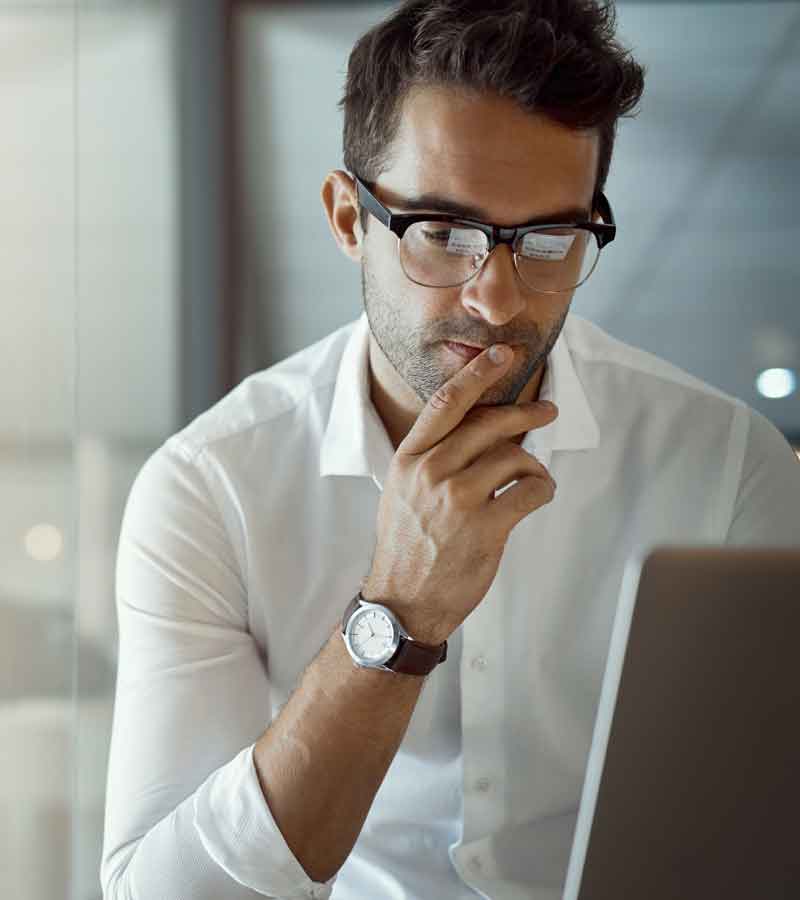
(497, 353)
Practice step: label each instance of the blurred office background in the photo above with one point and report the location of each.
(162, 238)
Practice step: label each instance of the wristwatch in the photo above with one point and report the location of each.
(375, 639)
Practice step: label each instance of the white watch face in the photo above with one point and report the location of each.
(372, 635)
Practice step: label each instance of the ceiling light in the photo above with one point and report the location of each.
(776, 383)
(44, 542)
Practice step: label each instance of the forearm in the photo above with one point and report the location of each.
(321, 761)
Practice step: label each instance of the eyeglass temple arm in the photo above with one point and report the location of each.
(372, 204)
(604, 208)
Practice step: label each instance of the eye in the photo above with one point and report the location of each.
(438, 236)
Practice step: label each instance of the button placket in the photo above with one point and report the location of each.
(483, 716)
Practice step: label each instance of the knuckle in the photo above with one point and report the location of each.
(426, 472)
(520, 501)
(455, 493)
(480, 370)
(539, 492)
(446, 396)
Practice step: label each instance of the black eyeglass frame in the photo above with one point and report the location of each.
(399, 223)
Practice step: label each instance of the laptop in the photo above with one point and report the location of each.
(692, 788)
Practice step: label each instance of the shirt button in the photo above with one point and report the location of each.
(479, 662)
(475, 863)
(482, 784)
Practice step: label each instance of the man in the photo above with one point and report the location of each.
(383, 478)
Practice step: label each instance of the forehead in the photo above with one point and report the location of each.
(484, 151)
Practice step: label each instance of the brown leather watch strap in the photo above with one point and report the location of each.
(352, 606)
(411, 657)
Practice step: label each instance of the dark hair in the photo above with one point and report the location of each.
(557, 58)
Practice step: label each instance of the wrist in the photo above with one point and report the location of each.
(421, 627)
(427, 632)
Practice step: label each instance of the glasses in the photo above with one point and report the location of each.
(439, 250)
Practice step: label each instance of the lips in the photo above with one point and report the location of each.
(463, 350)
(480, 346)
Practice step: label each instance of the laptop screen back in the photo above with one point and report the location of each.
(693, 782)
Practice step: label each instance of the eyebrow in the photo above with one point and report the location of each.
(436, 203)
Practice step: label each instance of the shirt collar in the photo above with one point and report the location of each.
(356, 442)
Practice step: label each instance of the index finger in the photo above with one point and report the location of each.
(454, 399)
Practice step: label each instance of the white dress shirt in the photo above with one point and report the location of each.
(246, 535)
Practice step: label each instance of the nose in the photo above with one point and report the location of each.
(496, 292)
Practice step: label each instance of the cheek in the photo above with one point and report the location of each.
(383, 264)
(382, 245)
(412, 302)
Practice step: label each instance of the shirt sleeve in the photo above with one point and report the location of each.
(185, 816)
(767, 506)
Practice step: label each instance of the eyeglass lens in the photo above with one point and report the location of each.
(439, 254)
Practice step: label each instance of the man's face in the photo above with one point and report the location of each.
(510, 167)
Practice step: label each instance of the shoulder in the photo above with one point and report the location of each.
(634, 391)
(268, 396)
(591, 346)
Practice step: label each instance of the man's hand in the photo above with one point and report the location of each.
(440, 531)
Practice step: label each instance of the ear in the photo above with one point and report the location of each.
(340, 201)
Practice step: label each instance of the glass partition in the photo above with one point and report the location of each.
(89, 389)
